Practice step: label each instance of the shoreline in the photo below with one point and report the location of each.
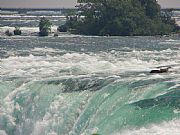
(68, 34)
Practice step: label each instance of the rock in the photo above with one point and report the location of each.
(17, 31)
(8, 33)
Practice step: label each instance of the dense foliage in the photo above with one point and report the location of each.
(44, 27)
(62, 28)
(17, 31)
(121, 17)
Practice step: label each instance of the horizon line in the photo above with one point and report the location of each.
(37, 8)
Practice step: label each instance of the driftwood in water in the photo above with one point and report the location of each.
(162, 70)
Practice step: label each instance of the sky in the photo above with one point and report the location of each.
(65, 3)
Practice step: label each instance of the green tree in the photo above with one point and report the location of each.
(120, 17)
(44, 27)
(62, 28)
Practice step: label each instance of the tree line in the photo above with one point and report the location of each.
(121, 18)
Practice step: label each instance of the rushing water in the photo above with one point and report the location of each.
(77, 85)
(29, 21)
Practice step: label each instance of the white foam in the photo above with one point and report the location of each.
(171, 42)
(60, 113)
(2, 132)
(81, 63)
(44, 12)
(32, 16)
(45, 50)
(8, 12)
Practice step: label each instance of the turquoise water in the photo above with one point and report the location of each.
(84, 85)
(79, 85)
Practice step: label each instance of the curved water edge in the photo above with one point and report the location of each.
(49, 106)
(85, 85)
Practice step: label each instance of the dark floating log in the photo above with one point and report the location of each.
(161, 70)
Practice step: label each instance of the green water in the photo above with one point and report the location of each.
(89, 85)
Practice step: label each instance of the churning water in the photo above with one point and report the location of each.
(75, 85)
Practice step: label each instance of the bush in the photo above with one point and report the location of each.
(178, 29)
(8, 33)
(44, 27)
(62, 28)
(17, 31)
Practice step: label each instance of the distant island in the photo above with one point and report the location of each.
(121, 18)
